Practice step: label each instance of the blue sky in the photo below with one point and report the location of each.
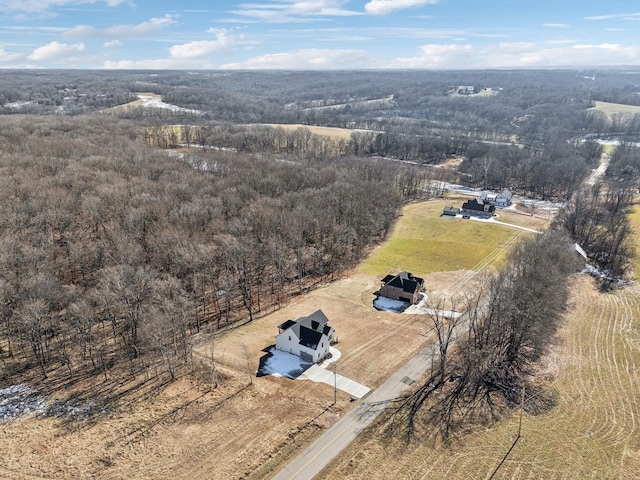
(318, 34)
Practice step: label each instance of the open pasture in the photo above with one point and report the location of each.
(611, 109)
(424, 242)
(334, 133)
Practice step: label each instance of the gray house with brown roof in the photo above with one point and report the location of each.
(403, 286)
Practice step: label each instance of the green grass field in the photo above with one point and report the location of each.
(423, 242)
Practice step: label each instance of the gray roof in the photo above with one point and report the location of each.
(404, 280)
(309, 329)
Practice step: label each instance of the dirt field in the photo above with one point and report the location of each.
(592, 433)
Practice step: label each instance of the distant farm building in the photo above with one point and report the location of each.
(403, 286)
(477, 209)
(307, 337)
(450, 211)
(499, 200)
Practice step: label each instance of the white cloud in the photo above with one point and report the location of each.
(36, 6)
(56, 50)
(289, 11)
(190, 55)
(143, 29)
(113, 43)
(437, 56)
(622, 16)
(519, 55)
(556, 25)
(152, 64)
(203, 48)
(382, 7)
(6, 57)
(309, 59)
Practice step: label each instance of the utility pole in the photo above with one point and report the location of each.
(521, 409)
(335, 384)
(516, 439)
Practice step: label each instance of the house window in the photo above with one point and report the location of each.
(289, 337)
(322, 344)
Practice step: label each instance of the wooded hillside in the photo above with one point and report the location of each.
(114, 251)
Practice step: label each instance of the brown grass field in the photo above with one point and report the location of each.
(334, 133)
(248, 427)
(611, 109)
(592, 433)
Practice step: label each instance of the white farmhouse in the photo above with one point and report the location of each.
(499, 200)
(307, 337)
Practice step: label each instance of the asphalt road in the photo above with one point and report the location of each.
(315, 457)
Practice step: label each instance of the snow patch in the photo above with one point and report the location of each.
(388, 305)
(284, 364)
(152, 101)
(19, 401)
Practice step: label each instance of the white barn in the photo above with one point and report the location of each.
(307, 337)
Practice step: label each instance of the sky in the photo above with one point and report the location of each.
(318, 34)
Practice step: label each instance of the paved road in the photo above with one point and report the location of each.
(312, 460)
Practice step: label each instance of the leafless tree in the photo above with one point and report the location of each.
(511, 322)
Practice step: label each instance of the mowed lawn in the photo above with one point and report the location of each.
(423, 242)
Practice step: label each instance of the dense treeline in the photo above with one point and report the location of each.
(597, 219)
(507, 328)
(422, 149)
(554, 171)
(625, 164)
(535, 106)
(112, 250)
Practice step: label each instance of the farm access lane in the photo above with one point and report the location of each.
(329, 445)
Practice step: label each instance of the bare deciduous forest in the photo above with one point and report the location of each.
(115, 251)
